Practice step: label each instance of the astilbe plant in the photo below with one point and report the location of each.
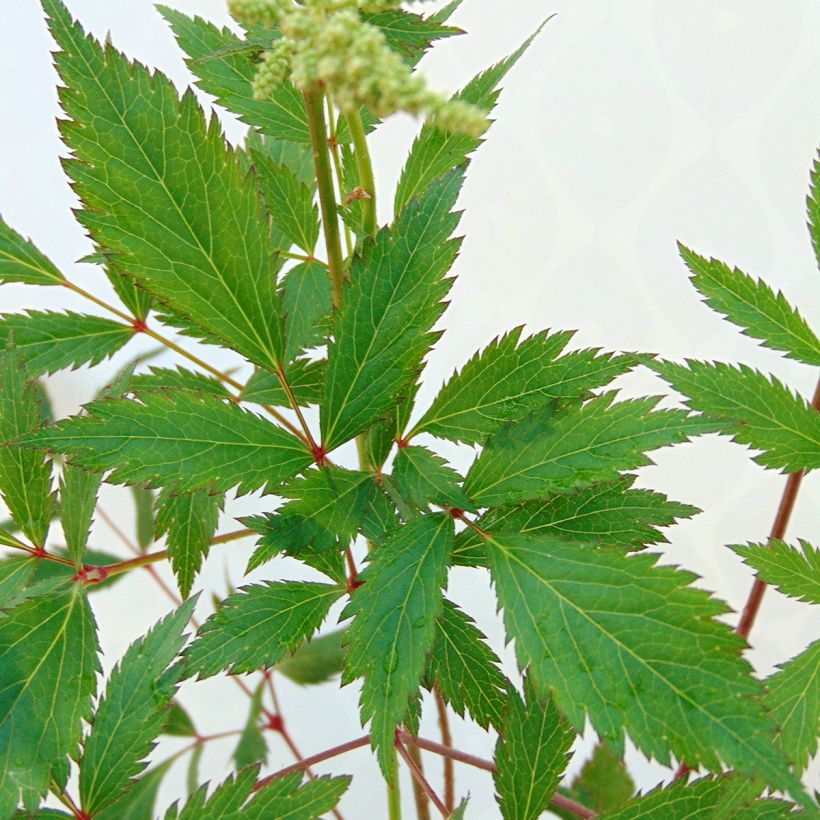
(272, 250)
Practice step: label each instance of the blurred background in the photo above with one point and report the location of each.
(626, 126)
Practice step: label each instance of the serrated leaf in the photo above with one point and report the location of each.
(753, 306)
(395, 296)
(760, 411)
(324, 506)
(531, 755)
(634, 647)
(51, 341)
(306, 303)
(721, 798)
(21, 261)
(296, 156)
(466, 670)
(409, 34)
(510, 378)
(794, 571)
(316, 660)
(252, 747)
(289, 202)
(306, 380)
(609, 514)
(138, 802)
(25, 477)
(164, 194)
(394, 624)
(223, 65)
(603, 783)
(435, 151)
(78, 500)
(813, 207)
(132, 712)
(258, 626)
(48, 668)
(177, 378)
(226, 799)
(188, 521)
(179, 439)
(793, 698)
(285, 799)
(551, 451)
(422, 478)
(178, 722)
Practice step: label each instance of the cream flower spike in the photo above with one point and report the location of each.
(326, 44)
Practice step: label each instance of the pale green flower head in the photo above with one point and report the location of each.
(327, 45)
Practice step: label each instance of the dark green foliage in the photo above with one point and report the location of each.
(20, 261)
(604, 783)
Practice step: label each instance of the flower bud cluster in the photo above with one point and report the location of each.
(327, 44)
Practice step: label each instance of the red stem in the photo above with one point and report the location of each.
(447, 740)
(419, 777)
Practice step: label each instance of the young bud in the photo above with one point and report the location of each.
(273, 69)
(258, 12)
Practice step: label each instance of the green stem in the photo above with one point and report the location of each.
(327, 198)
(365, 167)
(393, 793)
(337, 167)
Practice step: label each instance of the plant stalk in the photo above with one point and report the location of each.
(365, 168)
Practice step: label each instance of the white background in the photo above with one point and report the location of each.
(626, 126)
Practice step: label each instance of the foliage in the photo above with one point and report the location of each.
(241, 247)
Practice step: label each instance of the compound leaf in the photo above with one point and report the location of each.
(422, 477)
(531, 754)
(316, 660)
(131, 713)
(78, 500)
(466, 669)
(165, 195)
(604, 782)
(760, 410)
(306, 380)
(177, 378)
(753, 306)
(25, 477)
(306, 302)
(382, 329)
(394, 624)
(633, 646)
(50, 341)
(20, 261)
(258, 626)
(48, 669)
(794, 571)
(551, 451)
(176, 438)
(510, 378)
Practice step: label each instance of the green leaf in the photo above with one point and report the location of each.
(759, 410)
(394, 624)
(52, 341)
(604, 782)
(306, 380)
(226, 800)
(531, 755)
(178, 439)
(793, 698)
(289, 202)
(316, 660)
(258, 626)
(794, 571)
(306, 302)
(434, 151)
(409, 34)
(632, 646)
(382, 329)
(21, 262)
(753, 306)
(296, 156)
(252, 747)
(285, 799)
(224, 67)
(164, 194)
(813, 207)
(609, 514)
(138, 802)
(188, 521)
(144, 509)
(178, 378)
(131, 713)
(324, 506)
(507, 380)
(422, 477)
(178, 722)
(466, 669)
(48, 669)
(25, 477)
(724, 797)
(551, 451)
(78, 500)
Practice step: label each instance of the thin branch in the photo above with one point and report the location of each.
(419, 777)
(420, 797)
(447, 740)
